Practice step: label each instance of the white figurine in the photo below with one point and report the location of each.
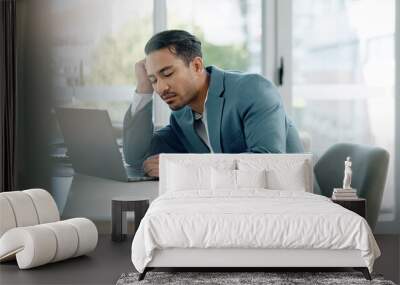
(347, 174)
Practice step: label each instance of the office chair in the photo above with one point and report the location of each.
(369, 165)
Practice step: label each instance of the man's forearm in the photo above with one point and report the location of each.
(137, 132)
(140, 100)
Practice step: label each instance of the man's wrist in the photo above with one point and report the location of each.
(140, 100)
(144, 90)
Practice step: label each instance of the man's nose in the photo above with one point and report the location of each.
(161, 87)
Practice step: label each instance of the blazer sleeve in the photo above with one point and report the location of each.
(263, 116)
(140, 141)
(166, 140)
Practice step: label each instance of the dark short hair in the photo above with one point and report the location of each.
(179, 42)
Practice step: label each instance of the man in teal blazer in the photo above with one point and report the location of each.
(212, 110)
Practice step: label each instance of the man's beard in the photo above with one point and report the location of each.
(185, 103)
(176, 108)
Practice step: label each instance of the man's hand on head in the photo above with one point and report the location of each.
(151, 166)
(143, 83)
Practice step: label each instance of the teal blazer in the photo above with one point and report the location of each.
(245, 113)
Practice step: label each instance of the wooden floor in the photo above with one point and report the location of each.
(111, 259)
(102, 266)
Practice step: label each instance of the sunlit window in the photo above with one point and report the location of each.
(94, 48)
(343, 75)
(230, 31)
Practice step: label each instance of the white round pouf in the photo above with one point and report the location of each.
(45, 205)
(41, 244)
(67, 240)
(6, 216)
(87, 232)
(23, 208)
(30, 230)
(33, 246)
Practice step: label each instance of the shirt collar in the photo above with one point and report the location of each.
(197, 116)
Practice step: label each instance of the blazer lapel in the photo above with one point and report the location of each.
(214, 107)
(187, 126)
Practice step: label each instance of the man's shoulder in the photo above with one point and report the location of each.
(243, 89)
(248, 86)
(245, 78)
(239, 80)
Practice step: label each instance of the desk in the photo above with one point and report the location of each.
(90, 197)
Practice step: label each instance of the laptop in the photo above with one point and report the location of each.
(92, 145)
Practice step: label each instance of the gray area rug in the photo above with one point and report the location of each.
(228, 278)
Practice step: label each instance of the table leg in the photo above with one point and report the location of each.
(116, 216)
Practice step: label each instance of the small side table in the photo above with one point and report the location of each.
(121, 205)
(357, 205)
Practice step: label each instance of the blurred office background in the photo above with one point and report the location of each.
(338, 61)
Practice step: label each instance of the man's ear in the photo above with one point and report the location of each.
(197, 64)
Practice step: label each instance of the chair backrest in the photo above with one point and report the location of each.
(26, 208)
(369, 166)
